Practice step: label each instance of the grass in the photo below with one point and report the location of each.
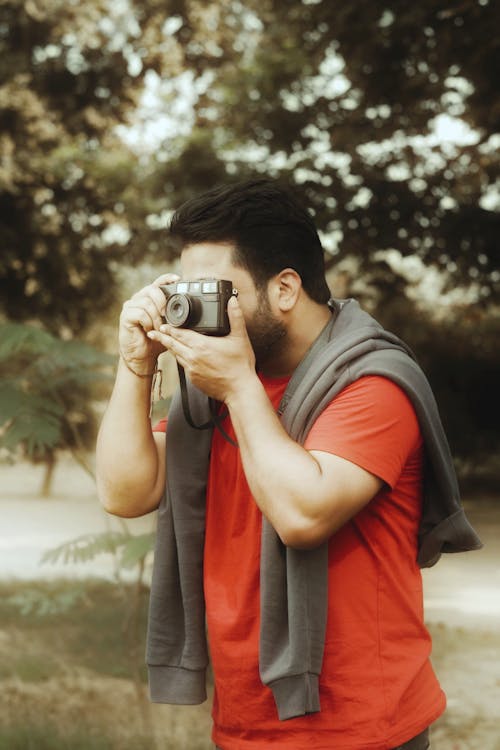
(72, 673)
(89, 624)
(28, 667)
(48, 737)
(72, 676)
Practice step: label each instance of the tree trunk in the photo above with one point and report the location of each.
(48, 476)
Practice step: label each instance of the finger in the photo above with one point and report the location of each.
(166, 278)
(159, 300)
(174, 346)
(137, 315)
(153, 300)
(182, 335)
(159, 296)
(131, 310)
(153, 289)
(236, 319)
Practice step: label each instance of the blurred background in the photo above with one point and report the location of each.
(385, 118)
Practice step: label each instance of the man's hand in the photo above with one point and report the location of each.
(141, 314)
(216, 365)
(130, 458)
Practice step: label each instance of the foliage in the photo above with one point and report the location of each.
(46, 736)
(84, 622)
(385, 117)
(463, 368)
(343, 99)
(39, 603)
(464, 372)
(348, 101)
(70, 194)
(132, 548)
(68, 676)
(46, 387)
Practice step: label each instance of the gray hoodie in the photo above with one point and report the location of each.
(294, 584)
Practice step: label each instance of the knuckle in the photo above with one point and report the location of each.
(145, 319)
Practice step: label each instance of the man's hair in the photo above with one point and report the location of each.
(268, 226)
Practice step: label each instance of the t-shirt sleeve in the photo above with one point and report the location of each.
(160, 426)
(371, 423)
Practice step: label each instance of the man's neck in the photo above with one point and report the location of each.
(302, 332)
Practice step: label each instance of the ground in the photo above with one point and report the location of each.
(462, 604)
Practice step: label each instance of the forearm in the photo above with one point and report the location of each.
(126, 455)
(284, 478)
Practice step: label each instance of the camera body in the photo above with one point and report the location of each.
(200, 305)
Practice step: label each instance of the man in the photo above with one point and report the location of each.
(308, 541)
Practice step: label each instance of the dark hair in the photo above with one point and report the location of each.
(268, 226)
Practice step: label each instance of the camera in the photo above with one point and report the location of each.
(200, 305)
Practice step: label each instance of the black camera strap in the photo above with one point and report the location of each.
(216, 417)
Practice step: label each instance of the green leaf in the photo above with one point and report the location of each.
(38, 434)
(89, 546)
(16, 338)
(12, 401)
(74, 356)
(47, 381)
(41, 603)
(28, 419)
(16, 403)
(136, 548)
(86, 547)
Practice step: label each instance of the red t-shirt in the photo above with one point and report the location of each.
(377, 687)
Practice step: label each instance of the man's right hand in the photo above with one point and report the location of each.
(142, 313)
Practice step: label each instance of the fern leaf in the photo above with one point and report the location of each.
(16, 402)
(136, 548)
(86, 547)
(28, 419)
(38, 434)
(18, 337)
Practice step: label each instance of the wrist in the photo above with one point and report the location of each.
(143, 370)
(244, 391)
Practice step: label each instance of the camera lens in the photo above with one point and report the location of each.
(177, 310)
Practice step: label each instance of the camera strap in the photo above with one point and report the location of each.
(216, 417)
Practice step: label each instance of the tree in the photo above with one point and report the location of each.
(345, 100)
(71, 202)
(349, 102)
(74, 202)
(46, 387)
(385, 118)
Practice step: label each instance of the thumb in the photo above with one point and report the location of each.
(236, 319)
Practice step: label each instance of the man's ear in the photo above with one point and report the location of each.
(287, 286)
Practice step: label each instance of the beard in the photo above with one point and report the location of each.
(267, 334)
